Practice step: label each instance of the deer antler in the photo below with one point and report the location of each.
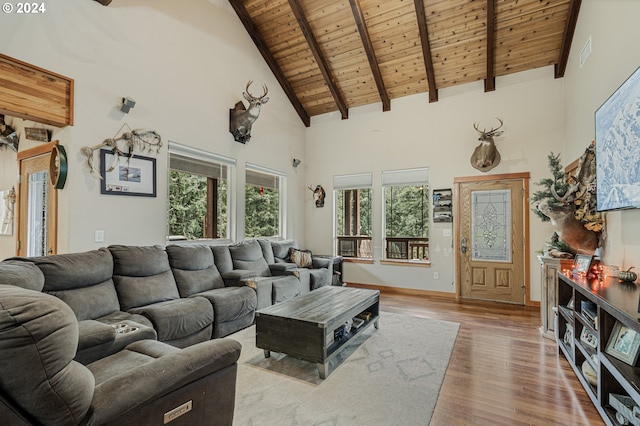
(134, 139)
(264, 88)
(492, 132)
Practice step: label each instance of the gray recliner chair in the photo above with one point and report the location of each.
(320, 268)
(146, 383)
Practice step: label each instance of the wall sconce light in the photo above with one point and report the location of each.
(127, 104)
(296, 162)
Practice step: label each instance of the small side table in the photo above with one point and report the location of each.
(337, 268)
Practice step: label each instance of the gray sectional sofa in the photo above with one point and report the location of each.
(138, 303)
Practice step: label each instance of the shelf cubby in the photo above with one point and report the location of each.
(597, 306)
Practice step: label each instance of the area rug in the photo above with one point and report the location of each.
(388, 376)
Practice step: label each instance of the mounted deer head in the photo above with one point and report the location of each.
(486, 156)
(241, 119)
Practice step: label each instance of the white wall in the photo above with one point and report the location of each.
(185, 64)
(441, 136)
(614, 31)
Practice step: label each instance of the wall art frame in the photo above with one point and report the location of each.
(624, 344)
(581, 263)
(133, 175)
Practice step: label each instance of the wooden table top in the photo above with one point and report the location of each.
(321, 306)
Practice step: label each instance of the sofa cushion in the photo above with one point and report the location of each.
(267, 250)
(302, 258)
(231, 303)
(142, 276)
(193, 269)
(38, 340)
(21, 274)
(281, 249)
(82, 280)
(222, 258)
(176, 319)
(248, 255)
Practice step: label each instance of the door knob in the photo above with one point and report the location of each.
(463, 245)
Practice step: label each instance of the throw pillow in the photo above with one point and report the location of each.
(302, 258)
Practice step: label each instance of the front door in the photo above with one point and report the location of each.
(38, 204)
(491, 244)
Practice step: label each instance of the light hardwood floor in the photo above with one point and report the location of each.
(502, 371)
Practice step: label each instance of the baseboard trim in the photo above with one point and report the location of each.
(405, 291)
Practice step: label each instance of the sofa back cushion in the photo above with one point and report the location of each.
(82, 280)
(281, 250)
(38, 340)
(142, 275)
(248, 255)
(22, 274)
(267, 250)
(222, 258)
(193, 269)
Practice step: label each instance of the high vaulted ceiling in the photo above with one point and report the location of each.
(332, 55)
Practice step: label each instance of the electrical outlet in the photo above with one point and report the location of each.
(99, 237)
(436, 275)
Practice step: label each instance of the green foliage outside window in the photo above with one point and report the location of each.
(262, 211)
(407, 211)
(358, 215)
(188, 205)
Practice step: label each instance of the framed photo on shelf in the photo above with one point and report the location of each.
(581, 264)
(135, 175)
(623, 344)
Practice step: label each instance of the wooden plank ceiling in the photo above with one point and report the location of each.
(332, 55)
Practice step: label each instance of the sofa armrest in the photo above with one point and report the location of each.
(237, 275)
(172, 369)
(94, 333)
(323, 262)
(263, 287)
(281, 268)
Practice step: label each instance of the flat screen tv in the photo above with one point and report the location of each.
(618, 147)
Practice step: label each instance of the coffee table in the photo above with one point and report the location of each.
(312, 327)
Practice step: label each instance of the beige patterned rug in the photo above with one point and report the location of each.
(392, 377)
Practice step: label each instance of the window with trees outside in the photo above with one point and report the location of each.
(352, 195)
(199, 196)
(264, 202)
(406, 214)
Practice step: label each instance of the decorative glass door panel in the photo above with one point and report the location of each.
(491, 225)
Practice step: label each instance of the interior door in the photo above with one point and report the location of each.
(492, 248)
(38, 204)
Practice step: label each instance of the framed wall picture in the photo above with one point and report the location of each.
(623, 344)
(581, 264)
(124, 175)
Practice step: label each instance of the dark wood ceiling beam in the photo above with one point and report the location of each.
(567, 37)
(426, 50)
(255, 35)
(371, 54)
(318, 55)
(490, 79)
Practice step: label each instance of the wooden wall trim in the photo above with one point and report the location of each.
(404, 291)
(33, 93)
(480, 178)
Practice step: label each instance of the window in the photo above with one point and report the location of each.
(352, 194)
(264, 202)
(199, 195)
(406, 214)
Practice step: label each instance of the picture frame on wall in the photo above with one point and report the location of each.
(127, 175)
(623, 344)
(581, 264)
